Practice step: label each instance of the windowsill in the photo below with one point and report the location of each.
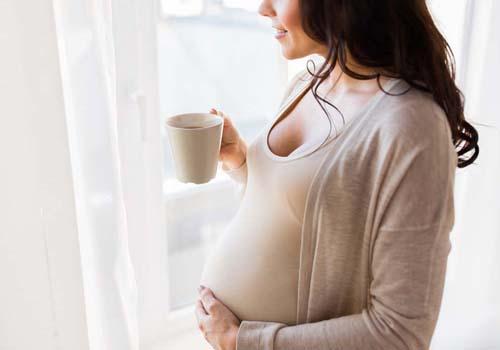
(181, 332)
(182, 320)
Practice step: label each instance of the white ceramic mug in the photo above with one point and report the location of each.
(195, 141)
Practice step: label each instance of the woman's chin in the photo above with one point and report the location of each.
(289, 54)
(293, 54)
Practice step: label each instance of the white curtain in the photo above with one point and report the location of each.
(470, 315)
(89, 76)
(115, 146)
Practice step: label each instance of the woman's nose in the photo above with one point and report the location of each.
(266, 9)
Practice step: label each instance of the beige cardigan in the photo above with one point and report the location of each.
(375, 239)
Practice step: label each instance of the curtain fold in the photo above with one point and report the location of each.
(89, 74)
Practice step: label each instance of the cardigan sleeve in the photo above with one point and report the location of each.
(408, 267)
(406, 293)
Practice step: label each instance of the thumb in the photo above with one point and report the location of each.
(221, 114)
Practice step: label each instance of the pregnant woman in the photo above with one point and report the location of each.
(341, 239)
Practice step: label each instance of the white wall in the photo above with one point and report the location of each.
(41, 298)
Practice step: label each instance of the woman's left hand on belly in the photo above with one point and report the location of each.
(217, 322)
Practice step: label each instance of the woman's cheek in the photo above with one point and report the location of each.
(288, 14)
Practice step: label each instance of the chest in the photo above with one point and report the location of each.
(297, 127)
(304, 122)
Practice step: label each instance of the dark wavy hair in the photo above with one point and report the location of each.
(398, 39)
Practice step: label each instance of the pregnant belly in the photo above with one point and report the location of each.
(253, 270)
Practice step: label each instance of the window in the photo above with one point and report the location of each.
(450, 16)
(219, 54)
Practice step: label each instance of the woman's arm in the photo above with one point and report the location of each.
(240, 174)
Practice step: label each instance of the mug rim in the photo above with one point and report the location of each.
(217, 120)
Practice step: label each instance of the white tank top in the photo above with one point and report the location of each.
(253, 268)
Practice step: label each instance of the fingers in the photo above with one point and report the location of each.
(221, 114)
(208, 300)
(216, 112)
(201, 315)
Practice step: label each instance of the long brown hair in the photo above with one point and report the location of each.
(400, 38)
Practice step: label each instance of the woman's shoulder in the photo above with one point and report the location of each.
(295, 83)
(413, 117)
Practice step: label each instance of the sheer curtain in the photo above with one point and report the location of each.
(114, 133)
(470, 315)
(89, 75)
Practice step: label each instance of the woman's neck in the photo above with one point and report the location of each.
(341, 82)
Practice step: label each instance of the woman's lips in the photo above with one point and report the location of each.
(280, 33)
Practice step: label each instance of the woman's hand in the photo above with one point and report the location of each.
(217, 323)
(233, 149)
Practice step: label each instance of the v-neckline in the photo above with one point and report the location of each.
(296, 98)
(281, 114)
